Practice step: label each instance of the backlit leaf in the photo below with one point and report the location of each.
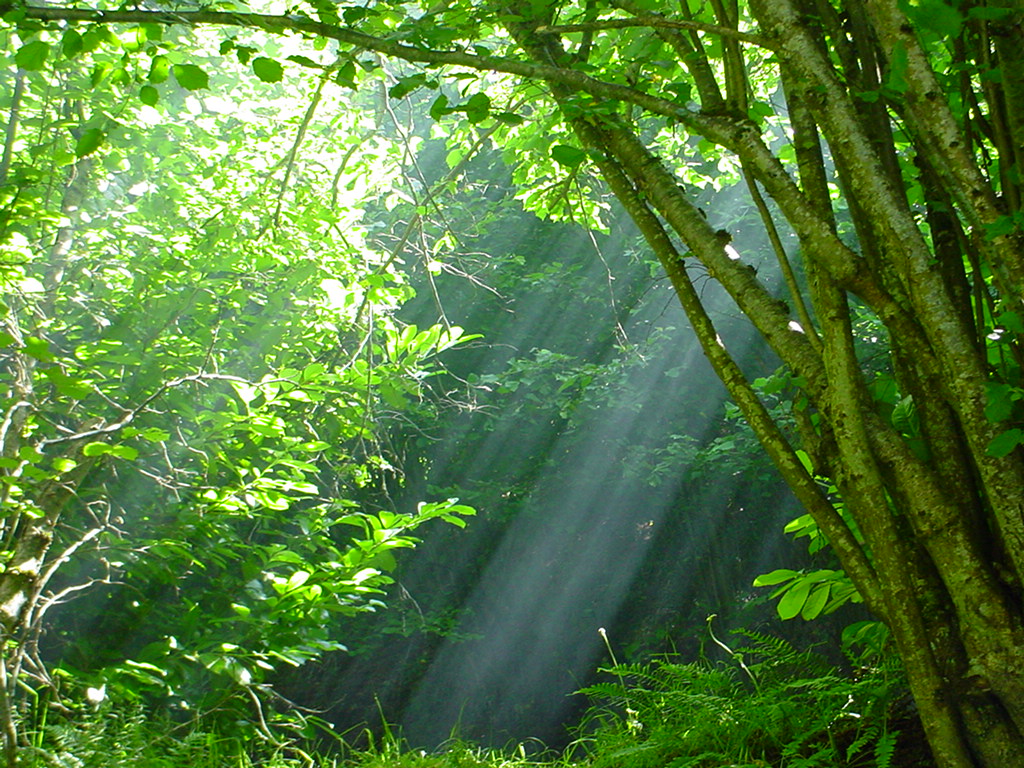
(815, 602)
(149, 95)
(89, 142)
(38, 348)
(268, 70)
(124, 452)
(160, 69)
(775, 577)
(190, 77)
(32, 55)
(71, 43)
(792, 601)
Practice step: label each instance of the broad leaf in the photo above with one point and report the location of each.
(190, 77)
(267, 70)
(32, 55)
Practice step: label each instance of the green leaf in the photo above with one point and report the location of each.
(759, 110)
(287, 556)
(816, 601)
(67, 385)
(989, 14)
(1002, 444)
(154, 32)
(313, 371)
(478, 107)
(62, 464)
(71, 43)
(308, 62)
(440, 107)
(190, 77)
(355, 13)
(124, 452)
(904, 417)
(896, 78)
(393, 396)
(937, 16)
(29, 453)
(805, 459)
(1011, 321)
(407, 85)
(682, 89)
(97, 35)
(149, 95)
(234, 669)
(100, 73)
(297, 579)
(246, 392)
(1002, 226)
(95, 449)
(346, 74)
(268, 70)
(155, 434)
(89, 142)
(244, 53)
(792, 601)
(999, 399)
(32, 55)
(509, 118)
(568, 156)
(39, 349)
(159, 70)
(775, 577)
(134, 39)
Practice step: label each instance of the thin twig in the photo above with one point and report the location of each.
(294, 151)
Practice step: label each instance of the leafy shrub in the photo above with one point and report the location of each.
(767, 704)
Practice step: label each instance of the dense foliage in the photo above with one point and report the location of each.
(879, 143)
(200, 354)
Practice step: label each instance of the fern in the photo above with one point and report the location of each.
(769, 703)
(884, 749)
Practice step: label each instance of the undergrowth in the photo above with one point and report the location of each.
(763, 703)
(767, 704)
(125, 736)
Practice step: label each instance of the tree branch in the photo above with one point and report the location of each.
(655, 22)
(570, 78)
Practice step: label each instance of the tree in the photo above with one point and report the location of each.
(196, 360)
(880, 142)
